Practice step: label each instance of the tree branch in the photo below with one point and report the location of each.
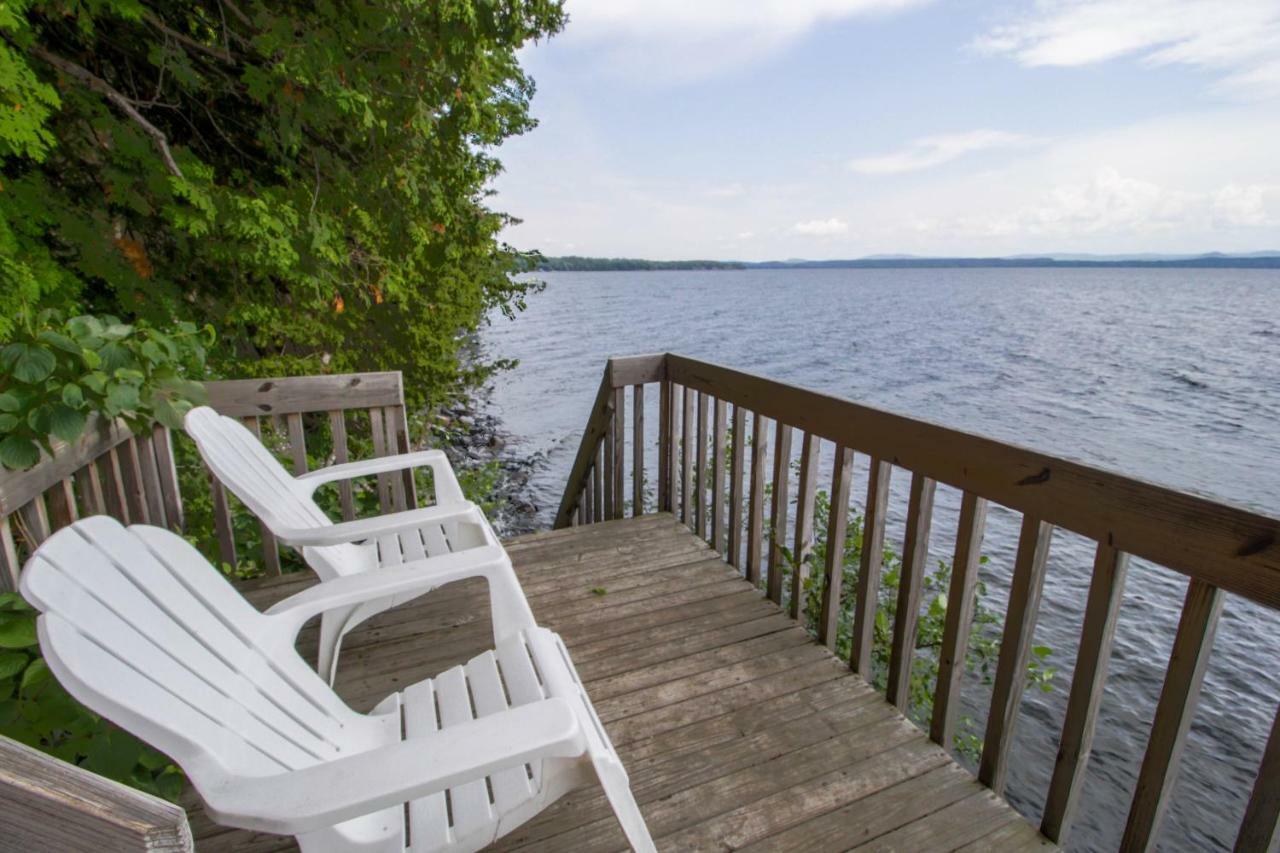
(126, 106)
(152, 19)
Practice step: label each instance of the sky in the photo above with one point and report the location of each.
(772, 129)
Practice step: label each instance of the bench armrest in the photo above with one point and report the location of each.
(360, 529)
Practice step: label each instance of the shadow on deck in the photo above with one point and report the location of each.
(736, 728)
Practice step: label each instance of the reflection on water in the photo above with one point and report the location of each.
(1167, 375)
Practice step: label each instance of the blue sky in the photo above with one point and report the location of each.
(762, 129)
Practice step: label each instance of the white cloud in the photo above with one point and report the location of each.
(821, 227)
(930, 151)
(1238, 38)
(663, 40)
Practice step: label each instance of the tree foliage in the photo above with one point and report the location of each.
(311, 179)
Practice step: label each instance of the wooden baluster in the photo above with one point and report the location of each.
(619, 452)
(802, 547)
(1177, 705)
(401, 488)
(379, 435)
(398, 434)
(864, 608)
(1101, 611)
(93, 500)
(9, 563)
(113, 483)
(222, 521)
(610, 438)
(686, 460)
(35, 521)
(1258, 829)
(149, 479)
(1025, 589)
(338, 432)
(778, 510)
(755, 499)
(664, 446)
(700, 518)
(915, 553)
(637, 450)
(270, 547)
(837, 530)
(737, 464)
(717, 476)
(62, 504)
(131, 472)
(588, 496)
(959, 619)
(167, 472)
(597, 484)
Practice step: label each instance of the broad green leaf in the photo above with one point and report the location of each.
(59, 341)
(17, 631)
(66, 423)
(9, 402)
(29, 364)
(124, 398)
(72, 395)
(34, 675)
(12, 663)
(8, 422)
(17, 452)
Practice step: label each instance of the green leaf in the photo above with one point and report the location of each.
(27, 363)
(91, 359)
(95, 382)
(66, 423)
(9, 402)
(17, 452)
(115, 356)
(1041, 651)
(12, 663)
(72, 395)
(60, 341)
(123, 398)
(8, 422)
(34, 675)
(17, 631)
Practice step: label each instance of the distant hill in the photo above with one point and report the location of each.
(1211, 260)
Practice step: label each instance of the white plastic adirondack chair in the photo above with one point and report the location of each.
(138, 626)
(285, 504)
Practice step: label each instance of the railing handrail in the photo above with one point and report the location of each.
(1230, 547)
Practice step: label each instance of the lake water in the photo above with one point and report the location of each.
(1166, 375)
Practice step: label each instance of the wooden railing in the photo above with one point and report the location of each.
(1221, 549)
(47, 804)
(134, 478)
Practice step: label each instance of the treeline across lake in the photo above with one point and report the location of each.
(576, 263)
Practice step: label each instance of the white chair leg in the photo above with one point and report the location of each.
(333, 625)
(617, 788)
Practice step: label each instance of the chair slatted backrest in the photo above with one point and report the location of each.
(240, 461)
(140, 627)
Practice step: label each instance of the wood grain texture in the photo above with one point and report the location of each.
(915, 553)
(47, 804)
(1258, 829)
(664, 447)
(687, 454)
(637, 450)
(1102, 609)
(19, 487)
(755, 498)
(737, 467)
(701, 519)
(588, 448)
(1025, 590)
(619, 450)
(959, 619)
(778, 504)
(240, 398)
(864, 608)
(837, 531)
(719, 426)
(802, 541)
(1187, 663)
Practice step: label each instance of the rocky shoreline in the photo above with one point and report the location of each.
(481, 452)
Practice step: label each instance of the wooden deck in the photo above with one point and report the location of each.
(738, 731)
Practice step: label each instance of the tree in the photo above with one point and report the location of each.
(309, 178)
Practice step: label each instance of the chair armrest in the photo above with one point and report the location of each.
(370, 528)
(287, 617)
(446, 483)
(314, 797)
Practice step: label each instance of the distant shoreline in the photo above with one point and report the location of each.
(1262, 260)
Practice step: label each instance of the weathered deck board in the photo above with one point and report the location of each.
(737, 729)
